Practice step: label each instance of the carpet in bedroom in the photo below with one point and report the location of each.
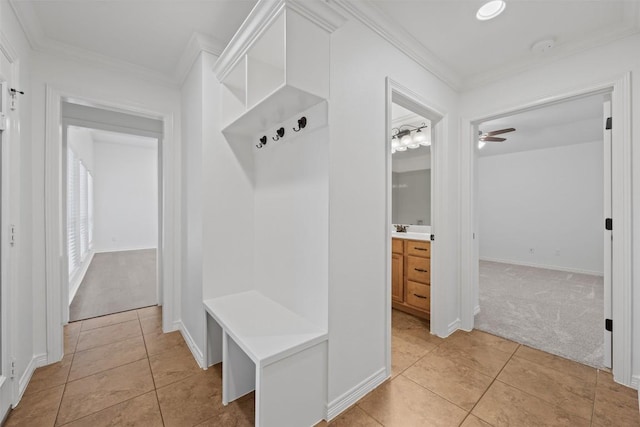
(555, 311)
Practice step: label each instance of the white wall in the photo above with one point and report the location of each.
(116, 87)
(21, 208)
(360, 63)
(191, 199)
(81, 142)
(547, 200)
(125, 197)
(291, 219)
(598, 65)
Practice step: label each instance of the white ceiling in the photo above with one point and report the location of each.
(479, 51)
(150, 35)
(156, 36)
(567, 123)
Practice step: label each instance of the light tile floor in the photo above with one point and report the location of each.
(121, 370)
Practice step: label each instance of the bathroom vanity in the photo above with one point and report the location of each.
(411, 273)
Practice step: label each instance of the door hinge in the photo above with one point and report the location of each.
(608, 224)
(432, 237)
(608, 125)
(608, 325)
(13, 369)
(12, 235)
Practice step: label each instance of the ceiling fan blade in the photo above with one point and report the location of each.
(499, 132)
(492, 139)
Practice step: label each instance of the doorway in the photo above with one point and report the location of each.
(65, 109)
(111, 221)
(413, 130)
(621, 261)
(541, 208)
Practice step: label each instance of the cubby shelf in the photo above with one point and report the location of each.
(281, 104)
(284, 71)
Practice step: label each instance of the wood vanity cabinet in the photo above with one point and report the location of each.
(411, 276)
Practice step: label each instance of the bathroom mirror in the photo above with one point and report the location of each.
(411, 168)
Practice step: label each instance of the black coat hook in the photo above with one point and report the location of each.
(302, 123)
(263, 141)
(279, 134)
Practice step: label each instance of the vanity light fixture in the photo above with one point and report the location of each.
(408, 136)
(490, 10)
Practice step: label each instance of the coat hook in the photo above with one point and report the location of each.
(263, 142)
(302, 123)
(279, 134)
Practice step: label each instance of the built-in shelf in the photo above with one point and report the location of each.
(284, 71)
(280, 105)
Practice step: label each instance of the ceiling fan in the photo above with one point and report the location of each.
(491, 136)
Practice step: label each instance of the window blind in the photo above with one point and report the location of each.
(79, 212)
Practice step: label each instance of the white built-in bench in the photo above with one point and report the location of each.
(267, 348)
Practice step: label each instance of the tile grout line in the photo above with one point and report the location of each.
(66, 381)
(155, 388)
(492, 382)
(595, 395)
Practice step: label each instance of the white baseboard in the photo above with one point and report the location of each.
(453, 326)
(548, 267)
(77, 280)
(135, 248)
(195, 351)
(339, 405)
(476, 310)
(35, 362)
(635, 383)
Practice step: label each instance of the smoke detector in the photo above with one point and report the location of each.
(543, 46)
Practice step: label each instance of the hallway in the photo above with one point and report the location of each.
(121, 370)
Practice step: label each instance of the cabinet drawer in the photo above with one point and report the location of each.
(419, 295)
(418, 248)
(418, 269)
(397, 246)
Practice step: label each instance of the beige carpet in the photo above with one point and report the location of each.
(558, 312)
(115, 282)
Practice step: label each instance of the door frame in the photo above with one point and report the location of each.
(622, 264)
(55, 217)
(401, 95)
(9, 194)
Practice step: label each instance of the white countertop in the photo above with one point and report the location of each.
(411, 235)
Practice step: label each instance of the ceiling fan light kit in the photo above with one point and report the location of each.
(490, 10)
(485, 137)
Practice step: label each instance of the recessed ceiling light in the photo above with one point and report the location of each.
(490, 10)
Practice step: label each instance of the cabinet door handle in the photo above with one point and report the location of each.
(419, 249)
(419, 296)
(421, 270)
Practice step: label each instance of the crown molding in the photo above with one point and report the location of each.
(563, 50)
(6, 48)
(320, 13)
(29, 22)
(197, 44)
(371, 16)
(39, 42)
(261, 17)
